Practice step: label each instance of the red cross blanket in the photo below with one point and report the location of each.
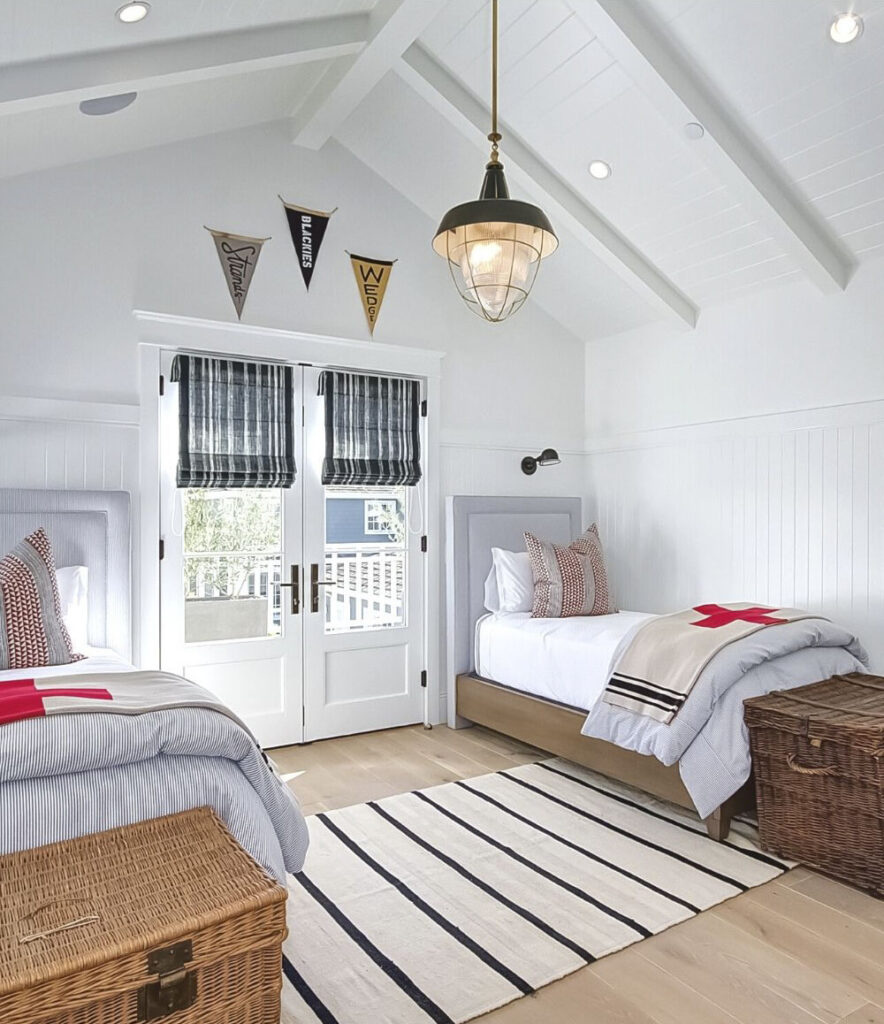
(121, 693)
(667, 655)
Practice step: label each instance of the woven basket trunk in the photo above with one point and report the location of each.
(818, 759)
(80, 919)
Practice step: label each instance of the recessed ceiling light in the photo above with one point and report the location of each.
(694, 130)
(599, 169)
(138, 10)
(846, 27)
(107, 104)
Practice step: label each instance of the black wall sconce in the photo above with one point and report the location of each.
(548, 457)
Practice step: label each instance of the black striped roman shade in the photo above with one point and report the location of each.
(372, 430)
(236, 423)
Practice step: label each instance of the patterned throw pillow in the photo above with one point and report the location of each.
(32, 630)
(569, 581)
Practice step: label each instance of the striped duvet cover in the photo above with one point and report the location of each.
(66, 775)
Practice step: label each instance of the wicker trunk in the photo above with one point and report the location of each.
(818, 757)
(168, 919)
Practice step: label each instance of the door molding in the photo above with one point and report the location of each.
(158, 332)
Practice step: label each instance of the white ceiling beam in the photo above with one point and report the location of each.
(642, 45)
(393, 27)
(463, 110)
(53, 81)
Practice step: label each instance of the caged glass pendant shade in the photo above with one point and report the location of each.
(494, 244)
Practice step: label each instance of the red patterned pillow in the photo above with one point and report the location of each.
(569, 580)
(32, 630)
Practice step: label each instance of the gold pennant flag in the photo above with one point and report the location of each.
(239, 257)
(371, 277)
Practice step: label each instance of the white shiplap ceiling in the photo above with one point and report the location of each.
(792, 182)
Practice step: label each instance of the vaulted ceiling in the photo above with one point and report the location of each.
(786, 182)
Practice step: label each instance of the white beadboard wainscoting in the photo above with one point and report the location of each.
(784, 509)
(65, 445)
(50, 443)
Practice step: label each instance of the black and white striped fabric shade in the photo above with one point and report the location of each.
(236, 423)
(372, 430)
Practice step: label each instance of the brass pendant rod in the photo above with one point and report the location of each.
(495, 135)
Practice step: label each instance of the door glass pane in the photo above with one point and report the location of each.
(366, 545)
(232, 560)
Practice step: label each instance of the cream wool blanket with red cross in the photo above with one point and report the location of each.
(121, 693)
(666, 657)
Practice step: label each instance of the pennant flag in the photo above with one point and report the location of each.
(371, 277)
(239, 257)
(308, 230)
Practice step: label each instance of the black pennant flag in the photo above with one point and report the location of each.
(308, 230)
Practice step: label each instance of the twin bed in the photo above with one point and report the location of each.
(542, 680)
(68, 774)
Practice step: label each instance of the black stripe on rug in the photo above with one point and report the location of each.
(695, 830)
(526, 915)
(306, 993)
(393, 972)
(581, 850)
(487, 958)
(581, 894)
(739, 886)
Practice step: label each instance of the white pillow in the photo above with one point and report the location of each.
(515, 581)
(492, 597)
(73, 592)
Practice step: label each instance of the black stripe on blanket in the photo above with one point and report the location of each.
(629, 835)
(548, 875)
(322, 1012)
(393, 972)
(526, 915)
(660, 689)
(487, 958)
(695, 830)
(580, 849)
(644, 692)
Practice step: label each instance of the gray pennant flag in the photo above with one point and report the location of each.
(239, 257)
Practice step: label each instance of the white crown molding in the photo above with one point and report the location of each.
(820, 417)
(170, 331)
(21, 407)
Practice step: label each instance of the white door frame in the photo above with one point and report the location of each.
(159, 331)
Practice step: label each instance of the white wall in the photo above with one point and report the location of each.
(95, 240)
(745, 461)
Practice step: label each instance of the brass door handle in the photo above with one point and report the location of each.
(315, 584)
(295, 585)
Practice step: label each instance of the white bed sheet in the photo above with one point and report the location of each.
(566, 660)
(98, 659)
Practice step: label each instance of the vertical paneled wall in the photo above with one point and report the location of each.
(73, 446)
(68, 454)
(786, 510)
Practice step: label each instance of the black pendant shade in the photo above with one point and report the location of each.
(494, 244)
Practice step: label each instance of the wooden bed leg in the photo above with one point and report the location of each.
(718, 824)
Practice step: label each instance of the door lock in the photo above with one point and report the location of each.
(294, 585)
(315, 584)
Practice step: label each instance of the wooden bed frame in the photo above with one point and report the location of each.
(556, 729)
(474, 525)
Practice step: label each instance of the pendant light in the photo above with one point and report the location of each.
(494, 244)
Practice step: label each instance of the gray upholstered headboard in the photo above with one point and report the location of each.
(476, 524)
(86, 528)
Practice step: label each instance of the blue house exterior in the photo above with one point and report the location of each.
(353, 520)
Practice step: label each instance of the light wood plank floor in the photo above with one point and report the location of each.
(800, 950)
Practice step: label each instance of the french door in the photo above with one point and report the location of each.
(301, 608)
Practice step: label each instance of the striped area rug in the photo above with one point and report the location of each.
(442, 904)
